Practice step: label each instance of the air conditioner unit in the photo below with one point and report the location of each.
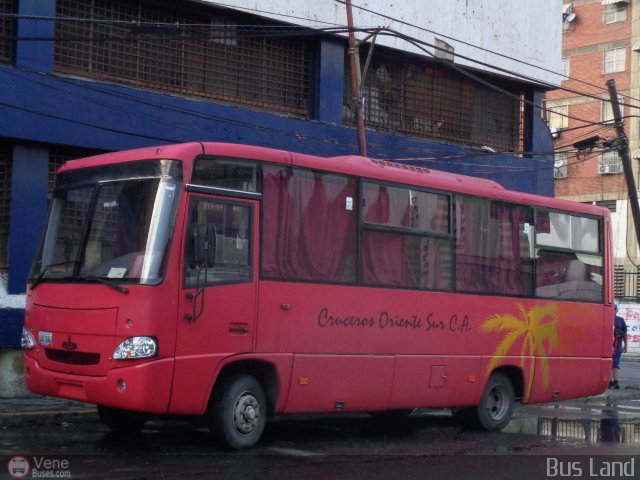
(605, 169)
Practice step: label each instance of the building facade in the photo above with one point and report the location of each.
(82, 77)
(600, 43)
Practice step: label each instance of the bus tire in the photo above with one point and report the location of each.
(237, 412)
(119, 420)
(497, 403)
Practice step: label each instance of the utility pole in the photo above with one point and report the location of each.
(355, 82)
(622, 146)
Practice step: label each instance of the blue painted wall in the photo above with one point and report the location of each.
(38, 108)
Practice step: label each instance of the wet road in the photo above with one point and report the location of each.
(590, 437)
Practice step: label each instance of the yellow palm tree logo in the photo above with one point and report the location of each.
(536, 329)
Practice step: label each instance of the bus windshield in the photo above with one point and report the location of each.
(116, 229)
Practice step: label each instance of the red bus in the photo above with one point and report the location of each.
(236, 282)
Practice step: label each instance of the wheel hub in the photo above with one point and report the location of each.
(497, 405)
(246, 414)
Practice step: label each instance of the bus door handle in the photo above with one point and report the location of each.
(238, 328)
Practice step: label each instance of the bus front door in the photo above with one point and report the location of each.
(218, 295)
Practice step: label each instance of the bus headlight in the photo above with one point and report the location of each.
(136, 347)
(27, 341)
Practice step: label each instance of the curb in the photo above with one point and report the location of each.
(48, 417)
(38, 410)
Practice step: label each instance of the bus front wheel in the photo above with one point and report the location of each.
(237, 412)
(497, 403)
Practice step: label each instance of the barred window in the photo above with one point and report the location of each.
(6, 31)
(415, 97)
(183, 48)
(5, 200)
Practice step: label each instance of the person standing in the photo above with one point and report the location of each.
(619, 347)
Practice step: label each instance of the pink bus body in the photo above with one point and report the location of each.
(249, 282)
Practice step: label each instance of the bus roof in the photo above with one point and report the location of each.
(385, 170)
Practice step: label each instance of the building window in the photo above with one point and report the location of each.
(610, 163)
(414, 97)
(5, 200)
(614, 60)
(564, 68)
(607, 109)
(6, 31)
(185, 49)
(615, 12)
(560, 165)
(558, 116)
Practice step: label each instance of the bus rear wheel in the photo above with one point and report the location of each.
(119, 420)
(237, 412)
(497, 403)
(495, 409)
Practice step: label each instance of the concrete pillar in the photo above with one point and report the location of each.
(29, 188)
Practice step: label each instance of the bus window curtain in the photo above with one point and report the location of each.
(308, 231)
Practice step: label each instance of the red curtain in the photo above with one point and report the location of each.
(309, 222)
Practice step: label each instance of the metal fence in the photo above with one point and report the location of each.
(604, 430)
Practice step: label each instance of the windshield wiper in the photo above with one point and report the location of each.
(109, 283)
(40, 276)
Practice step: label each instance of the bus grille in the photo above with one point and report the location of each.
(72, 358)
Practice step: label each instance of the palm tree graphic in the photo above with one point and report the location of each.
(536, 328)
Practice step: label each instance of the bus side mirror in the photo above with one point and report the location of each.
(205, 239)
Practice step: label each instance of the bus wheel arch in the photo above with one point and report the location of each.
(516, 377)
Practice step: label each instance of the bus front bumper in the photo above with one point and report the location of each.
(143, 387)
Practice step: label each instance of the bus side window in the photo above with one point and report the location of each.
(232, 224)
(492, 247)
(569, 264)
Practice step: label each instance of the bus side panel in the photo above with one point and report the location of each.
(501, 332)
(570, 378)
(428, 381)
(329, 383)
